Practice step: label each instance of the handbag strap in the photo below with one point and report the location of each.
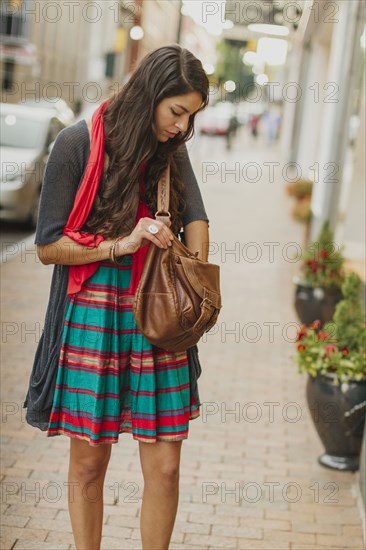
(163, 213)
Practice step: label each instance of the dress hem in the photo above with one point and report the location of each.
(61, 431)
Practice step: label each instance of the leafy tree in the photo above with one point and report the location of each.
(231, 67)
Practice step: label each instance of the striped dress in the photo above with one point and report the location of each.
(110, 379)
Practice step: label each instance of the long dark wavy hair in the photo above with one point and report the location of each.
(130, 140)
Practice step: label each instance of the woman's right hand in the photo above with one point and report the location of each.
(140, 237)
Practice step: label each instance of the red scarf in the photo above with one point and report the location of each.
(84, 200)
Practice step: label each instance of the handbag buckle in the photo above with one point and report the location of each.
(206, 303)
(163, 213)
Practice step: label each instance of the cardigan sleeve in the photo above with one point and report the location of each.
(195, 209)
(63, 173)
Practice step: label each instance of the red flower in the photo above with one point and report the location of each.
(324, 253)
(322, 335)
(301, 333)
(301, 347)
(315, 325)
(344, 351)
(329, 348)
(313, 264)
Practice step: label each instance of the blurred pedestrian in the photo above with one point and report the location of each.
(231, 131)
(109, 379)
(253, 123)
(271, 120)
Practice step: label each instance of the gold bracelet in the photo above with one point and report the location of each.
(112, 250)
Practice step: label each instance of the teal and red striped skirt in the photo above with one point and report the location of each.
(110, 380)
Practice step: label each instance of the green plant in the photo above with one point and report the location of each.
(323, 261)
(340, 346)
(300, 189)
(301, 212)
(230, 66)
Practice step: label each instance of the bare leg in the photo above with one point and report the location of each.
(160, 467)
(87, 469)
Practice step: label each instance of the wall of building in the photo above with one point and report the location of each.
(317, 126)
(70, 43)
(159, 20)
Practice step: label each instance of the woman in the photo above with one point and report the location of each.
(110, 380)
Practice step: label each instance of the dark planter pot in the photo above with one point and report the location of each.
(328, 404)
(315, 303)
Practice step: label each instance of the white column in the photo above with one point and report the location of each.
(310, 131)
(353, 231)
(291, 109)
(334, 126)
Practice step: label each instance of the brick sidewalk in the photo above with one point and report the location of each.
(249, 475)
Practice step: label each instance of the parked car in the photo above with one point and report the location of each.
(219, 120)
(26, 134)
(85, 114)
(215, 120)
(247, 110)
(64, 112)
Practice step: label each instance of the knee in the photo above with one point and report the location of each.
(167, 476)
(90, 468)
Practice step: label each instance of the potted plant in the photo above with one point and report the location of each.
(301, 191)
(318, 290)
(334, 356)
(301, 212)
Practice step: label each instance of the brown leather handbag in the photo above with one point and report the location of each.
(178, 298)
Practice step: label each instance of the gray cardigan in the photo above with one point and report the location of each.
(63, 174)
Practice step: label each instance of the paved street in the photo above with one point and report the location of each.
(249, 475)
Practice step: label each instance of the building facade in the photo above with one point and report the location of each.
(81, 51)
(319, 133)
(77, 51)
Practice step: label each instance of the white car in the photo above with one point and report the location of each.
(26, 134)
(218, 120)
(64, 112)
